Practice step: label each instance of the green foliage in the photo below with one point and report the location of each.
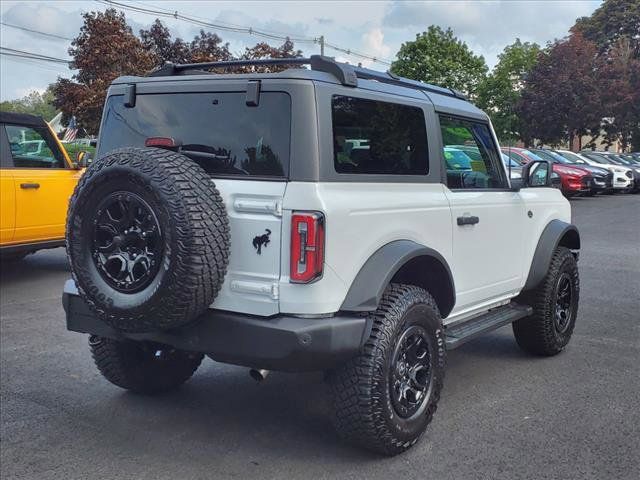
(437, 56)
(75, 147)
(499, 93)
(35, 103)
(613, 20)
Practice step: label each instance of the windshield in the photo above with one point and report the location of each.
(509, 161)
(597, 157)
(548, 155)
(219, 131)
(572, 157)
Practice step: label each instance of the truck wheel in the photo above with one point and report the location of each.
(147, 239)
(384, 398)
(555, 308)
(143, 367)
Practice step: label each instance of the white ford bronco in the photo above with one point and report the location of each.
(309, 219)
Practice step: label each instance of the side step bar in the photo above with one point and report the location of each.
(461, 333)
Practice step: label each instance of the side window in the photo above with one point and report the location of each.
(33, 147)
(372, 137)
(470, 155)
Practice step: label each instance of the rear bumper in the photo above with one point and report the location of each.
(283, 343)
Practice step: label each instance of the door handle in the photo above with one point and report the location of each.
(468, 220)
(29, 185)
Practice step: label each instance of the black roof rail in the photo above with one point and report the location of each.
(342, 71)
(347, 74)
(393, 79)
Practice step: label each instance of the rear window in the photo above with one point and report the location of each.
(217, 130)
(372, 137)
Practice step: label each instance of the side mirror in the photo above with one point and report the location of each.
(537, 173)
(83, 159)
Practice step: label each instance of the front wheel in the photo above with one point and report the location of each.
(143, 367)
(384, 398)
(555, 308)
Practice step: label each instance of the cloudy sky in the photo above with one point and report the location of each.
(376, 28)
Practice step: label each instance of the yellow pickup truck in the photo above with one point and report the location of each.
(37, 177)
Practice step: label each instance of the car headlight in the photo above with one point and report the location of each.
(619, 170)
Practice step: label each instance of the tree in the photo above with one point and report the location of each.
(157, 40)
(436, 56)
(34, 103)
(208, 47)
(619, 78)
(106, 48)
(500, 92)
(264, 50)
(561, 99)
(613, 20)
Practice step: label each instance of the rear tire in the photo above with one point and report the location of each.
(384, 398)
(555, 308)
(143, 367)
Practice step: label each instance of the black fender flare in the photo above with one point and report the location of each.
(377, 272)
(554, 234)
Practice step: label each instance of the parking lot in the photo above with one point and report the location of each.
(503, 414)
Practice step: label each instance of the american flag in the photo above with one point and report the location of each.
(72, 131)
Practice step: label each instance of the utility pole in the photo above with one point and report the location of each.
(321, 41)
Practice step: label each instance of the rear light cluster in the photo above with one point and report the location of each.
(307, 246)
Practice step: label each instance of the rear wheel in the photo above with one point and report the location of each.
(143, 367)
(555, 308)
(384, 398)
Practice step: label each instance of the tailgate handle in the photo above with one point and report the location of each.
(468, 220)
(29, 185)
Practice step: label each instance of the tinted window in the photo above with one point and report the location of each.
(371, 137)
(470, 156)
(217, 130)
(33, 147)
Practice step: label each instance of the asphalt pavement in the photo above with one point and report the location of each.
(502, 415)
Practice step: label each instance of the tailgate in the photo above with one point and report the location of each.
(251, 283)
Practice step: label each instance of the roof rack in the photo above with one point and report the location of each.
(346, 74)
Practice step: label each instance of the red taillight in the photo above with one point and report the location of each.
(307, 246)
(162, 142)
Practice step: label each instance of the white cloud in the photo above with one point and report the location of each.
(373, 45)
(488, 26)
(376, 28)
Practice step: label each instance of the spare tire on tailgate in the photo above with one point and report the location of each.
(147, 239)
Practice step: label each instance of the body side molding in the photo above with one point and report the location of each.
(554, 234)
(378, 271)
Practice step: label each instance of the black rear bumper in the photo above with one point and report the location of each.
(283, 343)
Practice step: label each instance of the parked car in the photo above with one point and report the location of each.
(225, 217)
(622, 175)
(513, 167)
(602, 179)
(620, 160)
(520, 155)
(37, 178)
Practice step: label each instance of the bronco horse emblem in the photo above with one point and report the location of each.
(261, 240)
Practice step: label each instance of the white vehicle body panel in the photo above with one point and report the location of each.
(251, 282)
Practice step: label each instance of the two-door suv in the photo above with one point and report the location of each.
(307, 220)
(37, 177)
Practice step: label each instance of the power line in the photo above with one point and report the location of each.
(11, 52)
(166, 13)
(46, 34)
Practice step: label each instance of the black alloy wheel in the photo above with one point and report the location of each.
(127, 244)
(410, 373)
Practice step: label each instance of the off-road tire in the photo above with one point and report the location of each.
(137, 367)
(538, 334)
(363, 412)
(195, 228)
